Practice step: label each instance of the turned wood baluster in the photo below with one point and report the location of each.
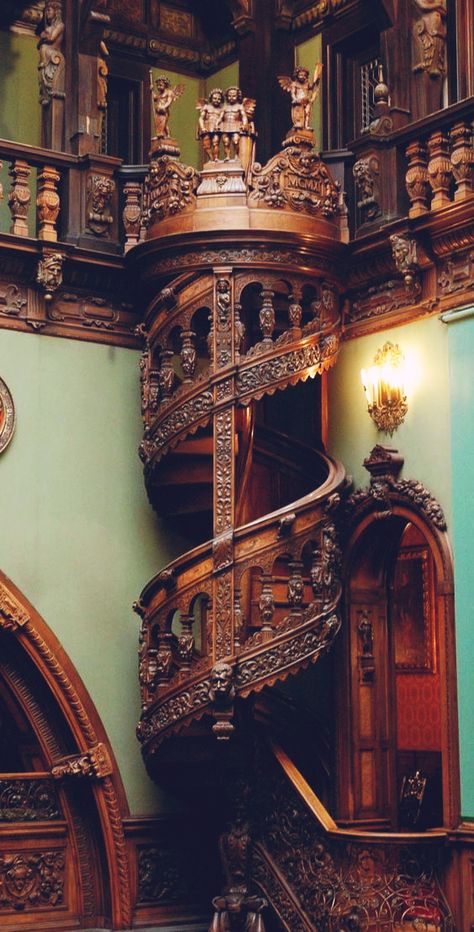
(462, 159)
(267, 316)
(48, 203)
(132, 213)
(166, 373)
(164, 656)
(188, 354)
(185, 643)
(416, 179)
(439, 169)
(20, 197)
(239, 329)
(295, 311)
(296, 587)
(238, 620)
(266, 606)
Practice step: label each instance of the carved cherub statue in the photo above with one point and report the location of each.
(234, 122)
(51, 59)
(163, 96)
(210, 115)
(303, 94)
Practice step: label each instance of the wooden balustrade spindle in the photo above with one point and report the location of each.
(164, 656)
(19, 198)
(416, 179)
(296, 586)
(186, 642)
(166, 373)
(132, 212)
(462, 159)
(295, 311)
(238, 619)
(439, 169)
(48, 203)
(239, 329)
(188, 354)
(266, 606)
(267, 316)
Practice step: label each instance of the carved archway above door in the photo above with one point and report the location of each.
(70, 866)
(393, 520)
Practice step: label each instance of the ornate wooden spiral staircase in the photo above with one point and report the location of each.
(239, 271)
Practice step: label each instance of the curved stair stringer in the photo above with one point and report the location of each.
(170, 701)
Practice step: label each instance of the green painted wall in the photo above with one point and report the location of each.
(226, 77)
(20, 111)
(424, 438)
(78, 535)
(460, 335)
(307, 55)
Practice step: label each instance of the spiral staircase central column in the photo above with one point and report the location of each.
(223, 355)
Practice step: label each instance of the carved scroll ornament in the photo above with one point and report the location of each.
(431, 31)
(94, 763)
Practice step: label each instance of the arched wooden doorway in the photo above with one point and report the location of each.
(63, 858)
(397, 655)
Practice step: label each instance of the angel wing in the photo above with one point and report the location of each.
(284, 81)
(201, 102)
(318, 71)
(249, 105)
(177, 91)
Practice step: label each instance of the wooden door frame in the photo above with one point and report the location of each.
(19, 619)
(425, 514)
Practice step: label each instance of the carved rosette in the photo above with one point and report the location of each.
(295, 180)
(170, 188)
(99, 195)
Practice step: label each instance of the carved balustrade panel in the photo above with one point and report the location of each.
(320, 880)
(28, 800)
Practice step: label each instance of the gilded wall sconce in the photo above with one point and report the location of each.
(385, 388)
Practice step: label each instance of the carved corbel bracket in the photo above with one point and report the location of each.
(166, 580)
(286, 523)
(49, 273)
(93, 763)
(406, 258)
(221, 696)
(12, 615)
(243, 21)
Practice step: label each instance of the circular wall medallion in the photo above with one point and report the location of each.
(7, 416)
